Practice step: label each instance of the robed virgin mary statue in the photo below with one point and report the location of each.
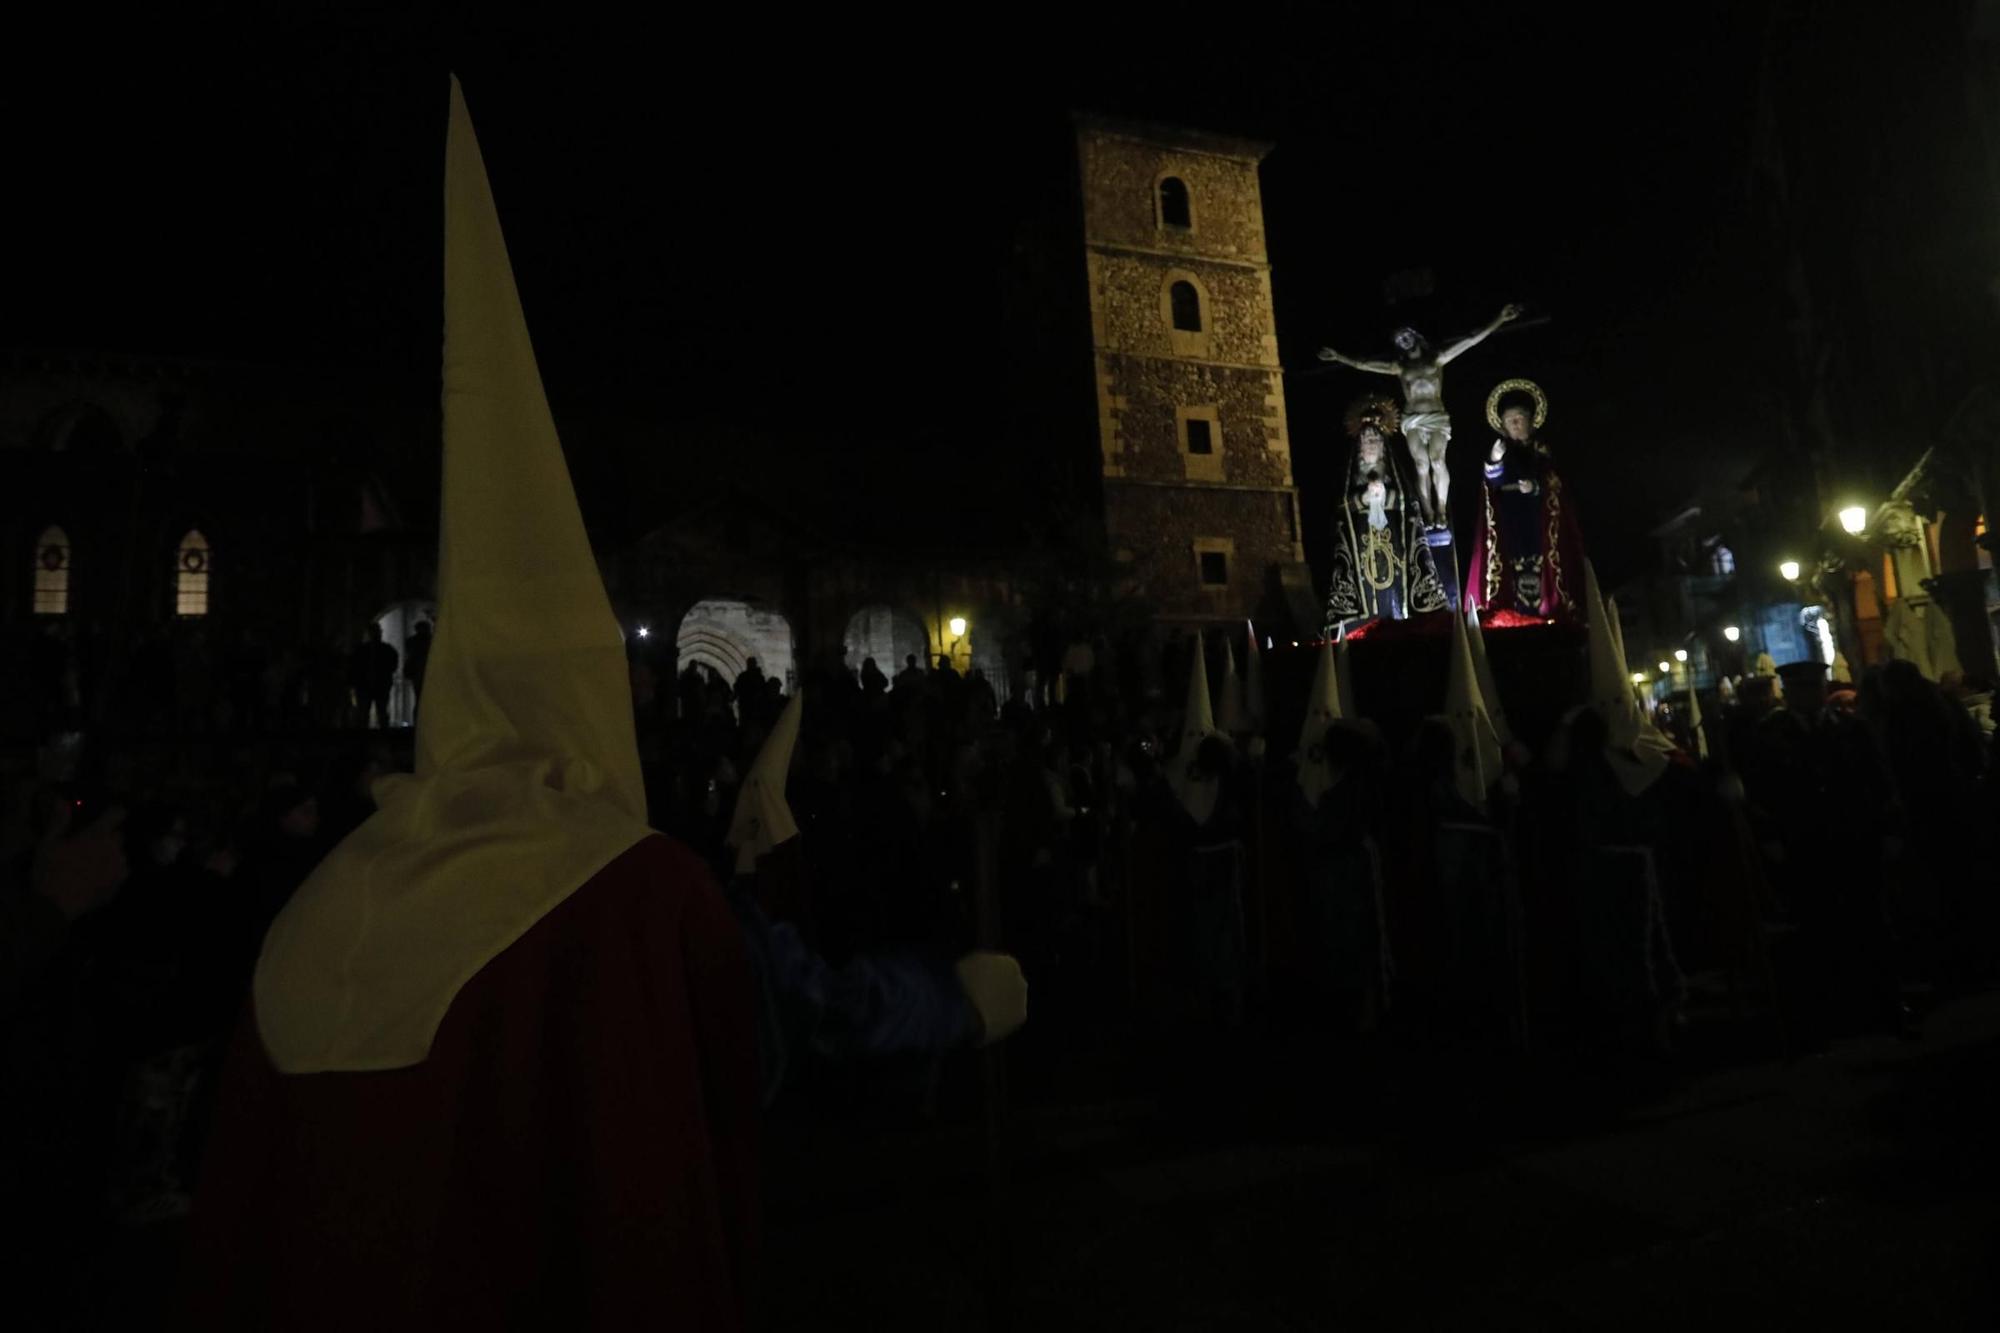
(1381, 564)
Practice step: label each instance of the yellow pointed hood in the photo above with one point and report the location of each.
(527, 777)
(1695, 727)
(1476, 766)
(763, 819)
(1483, 673)
(1322, 711)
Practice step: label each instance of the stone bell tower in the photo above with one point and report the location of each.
(1199, 503)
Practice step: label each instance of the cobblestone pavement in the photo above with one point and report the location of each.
(1851, 1188)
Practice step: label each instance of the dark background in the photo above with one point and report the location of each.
(831, 244)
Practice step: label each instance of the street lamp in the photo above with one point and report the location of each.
(1731, 633)
(645, 633)
(1665, 667)
(1854, 519)
(1680, 654)
(1638, 678)
(1789, 570)
(958, 627)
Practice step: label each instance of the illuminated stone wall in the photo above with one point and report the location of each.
(1158, 531)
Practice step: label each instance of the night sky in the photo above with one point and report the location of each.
(805, 235)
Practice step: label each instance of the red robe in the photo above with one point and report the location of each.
(575, 1152)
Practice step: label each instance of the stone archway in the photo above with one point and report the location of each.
(724, 635)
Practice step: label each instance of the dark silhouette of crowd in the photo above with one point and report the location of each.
(1824, 869)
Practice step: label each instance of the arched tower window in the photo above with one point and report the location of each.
(1721, 560)
(52, 573)
(1186, 304)
(191, 569)
(1174, 209)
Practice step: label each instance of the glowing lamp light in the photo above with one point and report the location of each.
(1665, 667)
(645, 633)
(1789, 570)
(1638, 678)
(1854, 518)
(1680, 654)
(1731, 633)
(958, 627)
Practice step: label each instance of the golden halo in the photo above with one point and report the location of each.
(1505, 387)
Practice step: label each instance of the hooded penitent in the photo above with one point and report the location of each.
(1476, 762)
(1235, 719)
(1253, 679)
(1197, 791)
(1695, 729)
(527, 776)
(1343, 679)
(1638, 752)
(763, 820)
(1322, 711)
(1483, 673)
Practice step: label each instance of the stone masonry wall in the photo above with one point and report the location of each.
(1120, 175)
(1144, 393)
(1154, 530)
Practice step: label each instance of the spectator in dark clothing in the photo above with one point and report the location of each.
(373, 676)
(873, 683)
(749, 693)
(1816, 781)
(910, 680)
(980, 697)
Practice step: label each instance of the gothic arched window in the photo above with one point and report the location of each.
(1186, 304)
(1174, 209)
(191, 570)
(1721, 560)
(52, 573)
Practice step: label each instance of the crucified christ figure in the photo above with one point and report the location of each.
(1425, 425)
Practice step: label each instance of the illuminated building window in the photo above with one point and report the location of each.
(1721, 560)
(1174, 210)
(1214, 568)
(191, 570)
(1186, 303)
(52, 573)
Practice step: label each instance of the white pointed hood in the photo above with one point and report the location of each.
(1476, 763)
(763, 819)
(1343, 679)
(1637, 750)
(1235, 719)
(1322, 711)
(1197, 794)
(527, 778)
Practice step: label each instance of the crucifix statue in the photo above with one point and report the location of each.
(1425, 425)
